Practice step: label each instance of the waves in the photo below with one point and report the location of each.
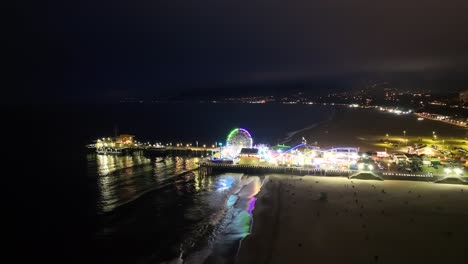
(291, 134)
(111, 205)
(124, 182)
(173, 214)
(230, 224)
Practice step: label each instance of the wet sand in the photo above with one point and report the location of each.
(359, 222)
(363, 127)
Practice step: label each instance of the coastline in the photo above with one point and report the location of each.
(359, 221)
(440, 120)
(292, 135)
(264, 219)
(364, 127)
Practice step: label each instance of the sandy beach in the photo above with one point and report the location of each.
(364, 127)
(337, 220)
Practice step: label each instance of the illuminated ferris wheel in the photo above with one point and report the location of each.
(237, 139)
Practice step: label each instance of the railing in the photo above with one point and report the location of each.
(407, 175)
(276, 169)
(309, 171)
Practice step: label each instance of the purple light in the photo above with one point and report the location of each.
(237, 130)
(251, 204)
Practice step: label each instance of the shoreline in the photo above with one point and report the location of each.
(291, 135)
(358, 221)
(363, 127)
(439, 120)
(264, 218)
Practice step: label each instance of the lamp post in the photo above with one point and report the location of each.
(404, 137)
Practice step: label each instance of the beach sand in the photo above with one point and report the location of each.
(359, 222)
(362, 128)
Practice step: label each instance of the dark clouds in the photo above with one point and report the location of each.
(93, 48)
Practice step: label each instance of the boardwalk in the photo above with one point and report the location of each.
(208, 168)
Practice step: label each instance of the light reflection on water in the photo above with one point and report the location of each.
(121, 179)
(232, 220)
(202, 218)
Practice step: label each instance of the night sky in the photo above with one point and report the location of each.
(104, 50)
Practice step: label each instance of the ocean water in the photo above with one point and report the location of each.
(161, 210)
(73, 206)
(207, 123)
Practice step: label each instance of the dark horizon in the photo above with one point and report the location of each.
(86, 51)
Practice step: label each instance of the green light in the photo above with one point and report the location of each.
(232, 133)
(237, 130)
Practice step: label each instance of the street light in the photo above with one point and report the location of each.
(404, 137)
(360, 166)
(447, 171)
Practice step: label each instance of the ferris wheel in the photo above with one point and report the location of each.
(237, 139)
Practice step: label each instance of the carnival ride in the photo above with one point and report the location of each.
(237, 139)
(340, 158)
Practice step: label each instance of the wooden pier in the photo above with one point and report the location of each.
(158, 151)
(209, 168)
(177, 151)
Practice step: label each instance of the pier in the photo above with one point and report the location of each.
(208, 168)
(174, 150)
(239, 155)
(154, 151)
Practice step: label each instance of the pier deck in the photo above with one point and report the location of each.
(207, 168)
